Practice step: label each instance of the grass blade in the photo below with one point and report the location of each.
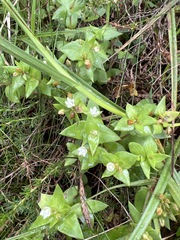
(174, 57)
(96, 96)
(174, 190)
(154, 201)
(163, 11)
(87, 90)
(165, 175)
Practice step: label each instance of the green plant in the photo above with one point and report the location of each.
(89, 54)
(64, 216)
(69, 11)
(132, 140)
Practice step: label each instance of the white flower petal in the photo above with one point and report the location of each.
(82, 151)
(69, 102)
(94, 111)
(45, 212)
(96, 49)
(110, 167)
(94, 133)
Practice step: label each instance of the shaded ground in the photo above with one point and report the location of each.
(32, 151)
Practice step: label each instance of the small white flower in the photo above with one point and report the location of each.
(115, 1)
(94, 111)
(69, 102)
(45, 212)
(110, 167)
(82, 151)
(96, 49)
(94, 133)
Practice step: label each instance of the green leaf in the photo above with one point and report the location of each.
(158, 156)
(70, 159)
(123, 176)
(146, 109)
(125, 159)
(23, 66)
(95, 205)
(60, 100)
(70, 194)
(178, 232)
(146, 120)
(73, 50)
(60, 13)
(140, 199)
(111, 33)
(108, 157)
(153, 233)
(34, 73)
(143, 130)
(75, 130)
(146, 168)
(96, 124)
(88, 162)
(98, 58)
(169, 116)
(71, 227)
(12, 96)
(119, 233)
(136, 149)
(11, 69)
(54, 219)
(149, 145)
(80, 97)
(40, 221)
(66, 4)
(30, 86)
(76, 6)
(125, 55)
(161, 107)
(87, 73)
(132, 111)
(55, 201)
(17, 82)
(91, 125)
(107, 135)
(112, 72)
(155, 158)
(107, 173)
(76, 208)
(86, 47)
(157, 129)
(71, 21)
(123, 125)
(93, 140)
(44, 88)
(114, 147)
(71, 146)
(173, 188)
(167, 223)
(44, 201)
(135, 214)
(100, 76)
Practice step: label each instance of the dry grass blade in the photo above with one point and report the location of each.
(164, 10)
(174, 71)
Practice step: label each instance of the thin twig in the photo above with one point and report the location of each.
(164, 10)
